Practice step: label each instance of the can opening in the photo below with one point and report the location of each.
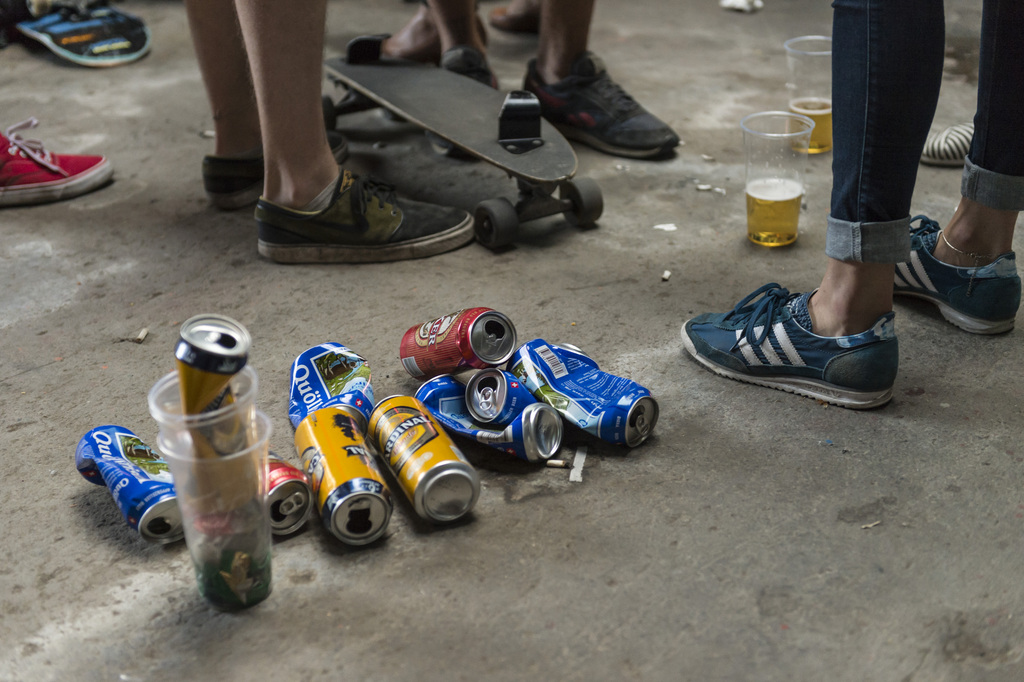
(495, 329)
(225, 341)
(276, 514)
(158, 526)
(359, 521)
(488, 382)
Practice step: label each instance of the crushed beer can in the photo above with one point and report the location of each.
(473, 338)
(138, 479)
(354, 503)
(613, 408)
(289, 495)
(430, 469)
(534, 434)
(330, 375)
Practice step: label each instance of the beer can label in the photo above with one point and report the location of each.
(211, 349)
(327, 375)
(467, 338)
(138, 478)
(403, 433)
(445, 399)
(569, 381)
(335, 457)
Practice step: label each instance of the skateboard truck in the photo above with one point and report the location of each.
(519, 122)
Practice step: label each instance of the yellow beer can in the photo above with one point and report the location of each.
(351, 496)
(428, 466)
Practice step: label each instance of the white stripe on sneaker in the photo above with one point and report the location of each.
(745, 348)
(908, 277)
(899, 280)
(915, 260)
(787, 346)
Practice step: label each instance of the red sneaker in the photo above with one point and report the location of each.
(30, 174)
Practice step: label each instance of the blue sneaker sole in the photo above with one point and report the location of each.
(810, 388)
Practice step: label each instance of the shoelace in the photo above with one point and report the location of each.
(927, 225)
(366, 189)
(774, 298)
(612, 92)
(33, 149)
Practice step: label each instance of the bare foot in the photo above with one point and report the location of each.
(520, 16)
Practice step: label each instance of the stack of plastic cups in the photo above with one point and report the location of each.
(218, 459)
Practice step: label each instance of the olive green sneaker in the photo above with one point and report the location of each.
(365, 223)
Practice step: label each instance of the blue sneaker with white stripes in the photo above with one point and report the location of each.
(767, 340)
(982, 300)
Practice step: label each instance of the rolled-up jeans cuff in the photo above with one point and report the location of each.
(994, 190)
(887, 242)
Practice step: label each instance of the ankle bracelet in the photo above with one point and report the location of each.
(978, 257)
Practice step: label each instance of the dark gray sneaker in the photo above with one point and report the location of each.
(233, 183)
(365, 223)
(588, 106)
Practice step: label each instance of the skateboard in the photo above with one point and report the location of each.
(90, 33)
(504, 130)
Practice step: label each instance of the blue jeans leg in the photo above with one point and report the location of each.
(887, 60)
(994, 172)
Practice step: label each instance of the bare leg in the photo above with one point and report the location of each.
(976, 229)
(457, 24)
(851, 298)
(285, 45)
(225, 68)
(564, 30)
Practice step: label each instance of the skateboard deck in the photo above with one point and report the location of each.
(504, 130)
(459, 110)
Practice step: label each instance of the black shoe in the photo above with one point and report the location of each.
(233, 183)
(365, 223)
(468, 61)
(588, 106)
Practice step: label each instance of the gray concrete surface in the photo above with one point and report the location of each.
(757, 536)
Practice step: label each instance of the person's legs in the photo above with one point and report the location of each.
(993, 179)
(838, 343)
(578, 95)
(225, 67)
(887, 68)
(457, 24)
(564, 33)
(968, 269)
(285, 47)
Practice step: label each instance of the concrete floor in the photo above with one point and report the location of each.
(757, 536)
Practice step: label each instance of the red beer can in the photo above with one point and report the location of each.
(289, 495)
(473, 338)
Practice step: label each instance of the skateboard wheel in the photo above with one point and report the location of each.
(496, 222)
(587, 203)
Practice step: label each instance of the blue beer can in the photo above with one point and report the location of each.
(613, 408)
(137, 477)
(496, 397)
(534, 435)
(331, 375)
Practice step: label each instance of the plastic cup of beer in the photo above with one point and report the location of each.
(775, 144)
(222, 491)
(809, 59)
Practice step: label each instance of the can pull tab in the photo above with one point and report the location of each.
(641, 423)
(293, 503)
(494, 334)
(486, 398)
